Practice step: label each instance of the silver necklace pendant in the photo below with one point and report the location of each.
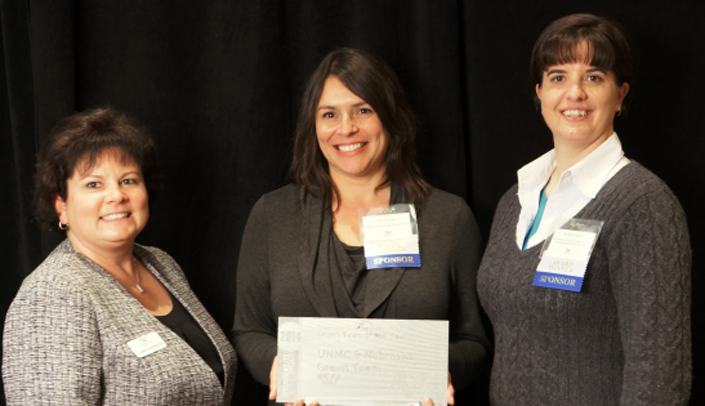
(137, 271)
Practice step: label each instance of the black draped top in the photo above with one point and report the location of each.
(183, 324)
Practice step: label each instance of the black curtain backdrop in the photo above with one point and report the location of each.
(218, 84)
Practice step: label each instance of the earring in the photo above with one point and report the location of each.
(619, 112)
(62, 226)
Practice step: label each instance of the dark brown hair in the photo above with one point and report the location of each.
(370, 78)
(609, 47)
(80, 139)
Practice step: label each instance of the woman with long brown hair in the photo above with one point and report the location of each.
(301, 253)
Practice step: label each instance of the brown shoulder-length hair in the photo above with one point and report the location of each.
(609, 47)
(80, 139)
(370, 78)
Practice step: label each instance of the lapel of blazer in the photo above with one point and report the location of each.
(317, 287)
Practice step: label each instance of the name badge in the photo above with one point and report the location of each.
(565, 255)
(146, 344)
(390, 236)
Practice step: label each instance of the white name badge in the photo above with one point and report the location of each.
(566, 254)
(390, 236)
(146, 344)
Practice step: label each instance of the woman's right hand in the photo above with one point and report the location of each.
(273, 380)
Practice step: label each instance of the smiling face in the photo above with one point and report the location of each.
(106, 205)
(579, 102)
(350, 133)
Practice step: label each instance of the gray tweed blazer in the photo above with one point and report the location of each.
(66, 335)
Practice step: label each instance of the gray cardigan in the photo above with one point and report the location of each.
(275, 273)
(66, 335)
(625, 338)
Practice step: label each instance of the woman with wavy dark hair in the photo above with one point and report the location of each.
(586, 277)
(302, 252)
(103, 320)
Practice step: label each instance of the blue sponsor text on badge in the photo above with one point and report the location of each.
(394, 260)
(557, 281)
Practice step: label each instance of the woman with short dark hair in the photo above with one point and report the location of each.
(302, 252)
(103, 320)
(586, 277)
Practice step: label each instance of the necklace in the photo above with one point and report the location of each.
(137, 271)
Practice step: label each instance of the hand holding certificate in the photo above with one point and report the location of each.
(371, 362)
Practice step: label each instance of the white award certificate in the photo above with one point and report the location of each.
(355, 362)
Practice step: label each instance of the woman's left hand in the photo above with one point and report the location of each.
(451, 392)
(450, 396)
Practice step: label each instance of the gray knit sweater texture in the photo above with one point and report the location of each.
(625, 338)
